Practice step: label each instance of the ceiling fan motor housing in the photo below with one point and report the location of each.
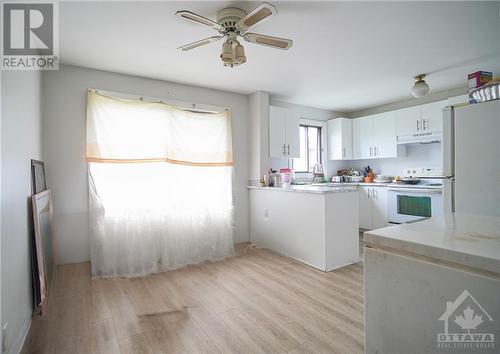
(229, 17)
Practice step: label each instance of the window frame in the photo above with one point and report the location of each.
(321, 138)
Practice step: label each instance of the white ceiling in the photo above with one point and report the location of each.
(345, 57)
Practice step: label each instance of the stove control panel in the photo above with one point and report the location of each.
(422, 172)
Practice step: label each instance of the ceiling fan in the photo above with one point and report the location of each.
(233, 22)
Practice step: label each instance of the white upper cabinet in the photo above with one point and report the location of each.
(384, 135)
(283, 133)
(362, 147)
(340, 139)
(420, 120)
(277, 146)
(432, 116)
(408, 120)
(375, 136)
(292, 134)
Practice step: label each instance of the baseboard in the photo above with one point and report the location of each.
(18, 342)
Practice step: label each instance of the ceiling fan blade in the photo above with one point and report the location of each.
(199, 43)
(260, 13)
(200, 19)
(269, 41)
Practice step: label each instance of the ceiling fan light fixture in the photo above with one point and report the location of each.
(227, 53)
(233, 23)
(420, 88)
(239, 54)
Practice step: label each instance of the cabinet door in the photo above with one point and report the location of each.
(432, 116)
(384, 135)
(365, 207)
(408, 121)
(347, 138)
(340, 139)
(379, 207)
(334, 139)
(292, 134)
(277, 135)
(362, 138)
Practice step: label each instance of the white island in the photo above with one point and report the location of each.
(315, 225)
(423, 280)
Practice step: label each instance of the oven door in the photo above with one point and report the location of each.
(411, 204)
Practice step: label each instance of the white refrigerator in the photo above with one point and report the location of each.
(471, 157)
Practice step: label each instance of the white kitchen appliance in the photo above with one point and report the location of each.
(416, 201)
(471, 157)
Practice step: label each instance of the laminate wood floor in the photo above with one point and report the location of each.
(256, 302)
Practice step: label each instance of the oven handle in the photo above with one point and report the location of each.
(416, 190)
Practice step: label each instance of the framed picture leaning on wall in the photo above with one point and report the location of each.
(44, 241)
(38, 183)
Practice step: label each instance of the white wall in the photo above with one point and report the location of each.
(432, 97)
(418, 155)
(64, 142)
(259, 134)
(21, 141)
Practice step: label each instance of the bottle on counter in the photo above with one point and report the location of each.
(286, 177)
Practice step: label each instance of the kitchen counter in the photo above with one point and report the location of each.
(316, 225)
(462, 239)
(307, 188)
(355, 184)
(420, 278)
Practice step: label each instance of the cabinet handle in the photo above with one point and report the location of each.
(374, 193)
(343, 152)
(284, 149)
(423, 124)
(418, 124)
(288, 149)
(371, 149)
(375, 151)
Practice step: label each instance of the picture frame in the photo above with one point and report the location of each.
(38, 182)
(44, 243)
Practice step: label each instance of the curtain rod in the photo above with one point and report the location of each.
(194, 107)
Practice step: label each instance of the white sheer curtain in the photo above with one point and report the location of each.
(160, 186)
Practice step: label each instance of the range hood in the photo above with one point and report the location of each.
(423, 138)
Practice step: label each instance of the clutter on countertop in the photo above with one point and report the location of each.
(368, 174)
(318, 174)
(286, 177)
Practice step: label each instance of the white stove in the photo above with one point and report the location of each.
(421, 199)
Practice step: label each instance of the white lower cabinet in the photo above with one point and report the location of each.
(372, 207)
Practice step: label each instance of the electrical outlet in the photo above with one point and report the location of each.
(4, 338)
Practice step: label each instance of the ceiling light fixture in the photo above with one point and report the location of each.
(421, 88)
(227, 53)
(239, 54)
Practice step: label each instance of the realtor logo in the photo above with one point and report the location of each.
(463, 320)
(29, 38)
